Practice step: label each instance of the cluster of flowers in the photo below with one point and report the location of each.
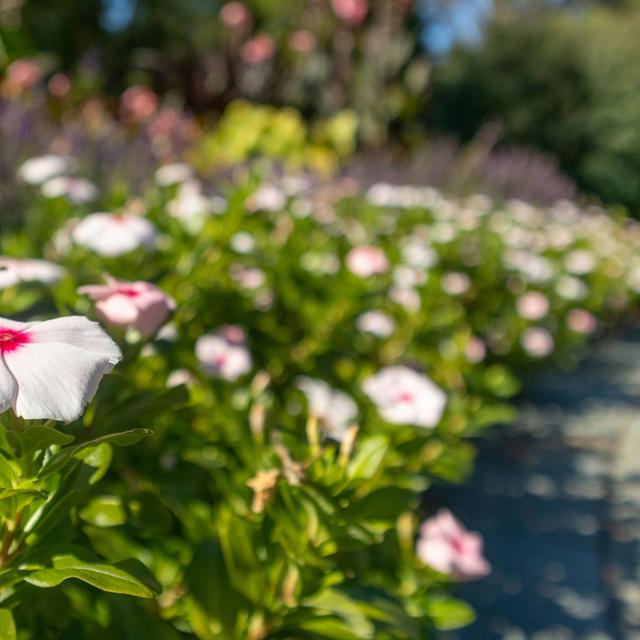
(347, 301)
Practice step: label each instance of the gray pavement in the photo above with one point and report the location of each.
(557, 497)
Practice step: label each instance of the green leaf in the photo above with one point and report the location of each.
(7, 475)
(7, 625)
(37, 439)
(448, 614)
(368, 458)
(382, 504)
(129, 577)
(122, 439)
(13, 500)
(105, 511)
(99, 457)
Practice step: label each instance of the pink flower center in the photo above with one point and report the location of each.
(129, 291)
(10, 339)
(458, 544)
(405, 397)
(219, 360)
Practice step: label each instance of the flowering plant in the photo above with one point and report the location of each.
(311, 359)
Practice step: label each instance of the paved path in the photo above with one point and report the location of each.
(557, 497)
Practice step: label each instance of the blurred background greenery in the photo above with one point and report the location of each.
(532, 99)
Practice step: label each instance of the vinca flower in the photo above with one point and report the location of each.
(446, 546)
(335, 409)
(113, 235)
(537, 342)
(40, 169)
(139, 304)
(15, 270)
(51, 370)
(174, 173)
(376, 323)
(404, 396)
(532, 305)
(77, 190)
(367, 261)
(224, 354)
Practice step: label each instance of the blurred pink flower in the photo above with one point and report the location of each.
(138, 104)
(537, 342)
(367, 261)
(475, 350)
(77, 190)
(22, 74)
(302, 41)
(51, 370)
(224, 353)
(376, 323)
(261, 48)
(59, 85)
(141, 305)
(15, 270)
(39, 169)
(446, 546)
(581, 321)
(353, 12)
(404, 396)
(334, 409)
(532, 305)
(112, 235)
(455, 283)
(235, 15)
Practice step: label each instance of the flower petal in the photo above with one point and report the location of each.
(55, 381)
(77, 331)
(8, 387)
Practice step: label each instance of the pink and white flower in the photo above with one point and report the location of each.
(224, 353)
(581, 321)
(112, 235)
(455, 283)
(334, 409)
(51, 370)
(537, 342)
(141, 305)
(173, 173)
(532, 305)
(404, 396)
(15, 270)
(475, 350)
(77, 190)
(376, 323)
(366, 261)
(446, 546)
(352, 12)
(39, 169)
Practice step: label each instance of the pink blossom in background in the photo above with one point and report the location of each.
(406, 297)
(334, 409)
(40, 169)
(138, 104)
(51, 370)
(404, 396)
(532, 305)
(112, 235)
(141, 305)
(59, 85)
(581, 321)
(173, 173)
(261, 48)
(475, 350)
(267, 198)
(77, 190)
(224, 354)
(235, 15)
(455, 283)
(303, 41)
(180, 376)
(376, 323)
(353, 12)
(22, 74)
(367, 261)
(446, 546)
(537, 342)
(15, 270)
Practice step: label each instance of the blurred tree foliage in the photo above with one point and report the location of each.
(566, 82)
(320, 56)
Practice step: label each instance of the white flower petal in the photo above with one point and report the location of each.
(8, 387)
(55, 381)
(79, 332)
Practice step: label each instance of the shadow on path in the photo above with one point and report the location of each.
(557, 498)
